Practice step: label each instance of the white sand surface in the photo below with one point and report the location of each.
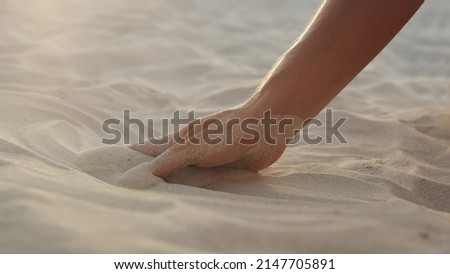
(67, 65)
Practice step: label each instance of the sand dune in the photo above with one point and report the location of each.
(65, 66)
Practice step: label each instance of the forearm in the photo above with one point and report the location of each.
(342, 39)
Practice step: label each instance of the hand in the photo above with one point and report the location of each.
(240, 138)
(328, 55)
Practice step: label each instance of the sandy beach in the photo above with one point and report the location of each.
(66, 66)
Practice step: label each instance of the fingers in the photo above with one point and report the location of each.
(245, 163)
(175, 158)
(151, 148)
(172, 155)
(138, 177)
(258, 161)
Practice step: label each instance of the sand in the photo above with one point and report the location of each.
(65, 66)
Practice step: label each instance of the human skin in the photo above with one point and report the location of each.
(343, 37)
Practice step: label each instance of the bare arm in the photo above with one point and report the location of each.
(344, 36)
(342, 39)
